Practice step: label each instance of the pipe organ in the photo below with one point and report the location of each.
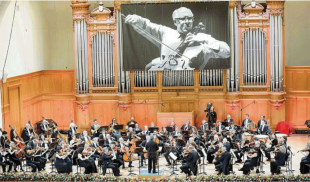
(257, 66)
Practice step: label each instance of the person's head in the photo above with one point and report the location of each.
(308, 144)
(176, 128)
(148, 137)
(105, 149)
(103, 131)
(170, 137)
(137, 125)
(190, 148)
(183, 19)
(247, 116)
(113, 120)
(132, 118)
(108, 136)
(191, 139)
(204, 121)
(95, 121)
(225, 140)
(164, 128)
(188, 122)
(42, 137)
(216, 137)
(121, 140)
(86, 145)
(212, 108)
(224, 149)
(262, 117)
(152, 124)
(257, 144)
(146, 128)
(112, 145)
(27, 126)
(71, 125)
(219, 123)
(130, 129)
(228, 116)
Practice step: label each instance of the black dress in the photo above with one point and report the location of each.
(88, 164)
(63, 165)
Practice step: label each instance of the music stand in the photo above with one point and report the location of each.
(119, 127)
(173, 158)
(185, 132)
(132, 125)
(139, 131)
(104, 127)
(169, 129)
(130, 168)
(181, 142)
(204, 155)
(152, 129)
(225, 123)
(139, 150)
(186, 137)
(125, 138)
(123, 133)
(208, 132)
(78, 135)
(143, 137)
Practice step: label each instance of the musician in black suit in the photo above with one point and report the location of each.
(44, 127)
(262, 118)
(27, 132)
(279, 160)
(263, 129)
(85, 138)
(132, 121)
(229, 120)
(246, 121)
(94, 129)
(186, 126)
(222, 164)
(191, 160)
(220, 127)
(151, 148)
(173, 125)
(103, 134)
(108, 140)
(212, 117)
(106, 157)
(204, 126)
(3, 138)
(71, 131)
(274, 142)
(113, 123)
(5, 161)
(146, 131)
(29, 159)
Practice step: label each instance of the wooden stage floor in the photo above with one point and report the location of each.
(296, 141)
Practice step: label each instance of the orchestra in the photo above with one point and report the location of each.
(108, 148)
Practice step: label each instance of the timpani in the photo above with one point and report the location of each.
(263, 138)
(249, 136)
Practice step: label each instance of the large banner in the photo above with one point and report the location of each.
(176, 36)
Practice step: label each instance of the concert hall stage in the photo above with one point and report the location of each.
(296, 141)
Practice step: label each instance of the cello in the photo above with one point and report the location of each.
(21, 144)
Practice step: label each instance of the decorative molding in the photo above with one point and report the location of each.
(178, 90)
(103, 91)
(80, 9)
(211, 90)
(147, 90)
(252, 16)
(255, 89)
(275, 8)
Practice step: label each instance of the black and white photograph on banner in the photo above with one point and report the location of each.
(176, 36)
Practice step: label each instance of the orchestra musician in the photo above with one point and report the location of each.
(124, 145)
(219, 127)
(171, 144)
(4, 160)
(12, 153)
(44, 127)
(3, 138)
(103, 134)
(279, 160)
(204, 126)
(305, 160)
(85, 160)
(152, 124)
(246, 121)
(71, 131)
(229, 120)
(146, 131)
(214, 147)
(27, 133)
(151, 147)
(95, 144)
(262, 119)
(117, 154)
(131, 122)
(113, 123)
(263, 129)
(85, 138)
(14, 137)
(271, 147)
(29, 154)
(94, 129)
(212, 117)
(173, 125)
(163, 131)
(252, 160)
(186, 126)
(107, 162)
(108, 140)
(222, 164)
(137, 128)
(190, 160)
(176, 131)
(63, 162)
(130, 132)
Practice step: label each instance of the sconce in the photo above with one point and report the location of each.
(82, 107)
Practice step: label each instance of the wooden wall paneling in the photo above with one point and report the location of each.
(97, 113)
(152, 110)
(140, 114)
(301, 109)
(299, 80)
(289, 80)
(15, 106)
(276, 115)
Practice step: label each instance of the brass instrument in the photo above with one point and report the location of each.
(95, 130)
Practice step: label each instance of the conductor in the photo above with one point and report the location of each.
(151, 148)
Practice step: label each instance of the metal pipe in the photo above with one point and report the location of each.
(280, 53)
(79, 58)
(232, 49)
(237, 61)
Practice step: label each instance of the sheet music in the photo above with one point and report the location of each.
(204, 153)
(173, 156)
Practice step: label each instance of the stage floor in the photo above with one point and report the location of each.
(296, 141)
